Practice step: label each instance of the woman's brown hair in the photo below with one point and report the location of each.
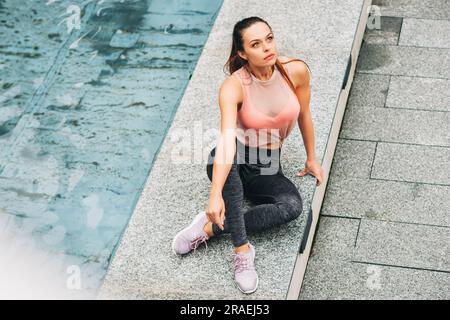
(235, 62)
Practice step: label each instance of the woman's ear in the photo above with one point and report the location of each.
(242, 55)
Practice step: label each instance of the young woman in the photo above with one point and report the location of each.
(260, 103)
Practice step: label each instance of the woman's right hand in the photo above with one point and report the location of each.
(216, 210)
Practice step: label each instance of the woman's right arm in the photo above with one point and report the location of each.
(229, 96)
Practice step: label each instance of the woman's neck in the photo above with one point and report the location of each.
(263, 74)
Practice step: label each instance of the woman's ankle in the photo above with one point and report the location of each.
(243, 248)
(208, 229)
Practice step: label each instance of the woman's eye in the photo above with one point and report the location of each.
(254, 45)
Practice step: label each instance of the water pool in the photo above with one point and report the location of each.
(88, 90)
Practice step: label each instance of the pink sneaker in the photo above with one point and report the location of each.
(192, 236)
(245, 275)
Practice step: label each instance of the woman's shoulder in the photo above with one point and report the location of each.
(298, 69)
(288, 59)
(231, 86)
(239, 73)
(232, 80)
(284, 59)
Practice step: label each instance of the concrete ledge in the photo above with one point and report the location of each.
(144, 266)
(316, 203)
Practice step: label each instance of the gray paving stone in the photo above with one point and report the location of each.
(332, 275)
(387, 200)
(388, 33)
(429, 9)
(337, 237)
(412, 163)
(425, 33)
(407, 61)
(354, 281)
(400, 244)
(419, 93)
(353, 158)
(368, 90)
(396, 125)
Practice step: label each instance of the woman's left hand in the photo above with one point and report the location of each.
(314, 168)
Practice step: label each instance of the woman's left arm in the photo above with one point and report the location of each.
(303, 91)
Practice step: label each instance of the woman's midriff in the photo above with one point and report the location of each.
(267, 146)
(270, 147)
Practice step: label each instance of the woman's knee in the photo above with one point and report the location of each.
(292, 206)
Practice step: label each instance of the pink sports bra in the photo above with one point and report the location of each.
(269, 110)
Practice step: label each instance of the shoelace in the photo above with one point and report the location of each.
(241, 263)
(197, 241)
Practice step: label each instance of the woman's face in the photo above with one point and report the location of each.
(259, 43)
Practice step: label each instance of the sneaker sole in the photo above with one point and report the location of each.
(176, 236)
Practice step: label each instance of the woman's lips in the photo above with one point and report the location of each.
(269, 57)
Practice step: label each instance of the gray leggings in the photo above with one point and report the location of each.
(256, 173)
